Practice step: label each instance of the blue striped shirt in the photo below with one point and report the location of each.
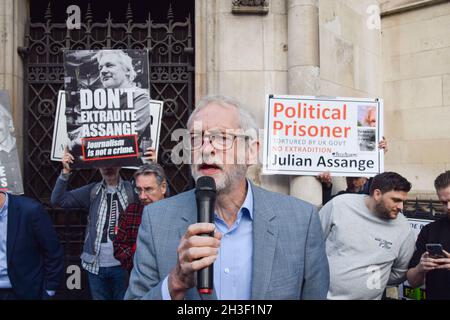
(4, 279)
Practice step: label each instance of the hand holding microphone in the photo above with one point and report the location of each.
(195, 252)
(205, 195)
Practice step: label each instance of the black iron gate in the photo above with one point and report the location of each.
(171, 60)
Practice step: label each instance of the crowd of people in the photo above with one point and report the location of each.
(142, 244)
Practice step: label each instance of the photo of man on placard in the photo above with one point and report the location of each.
(10, 176)
(108, 104)
(367, 116)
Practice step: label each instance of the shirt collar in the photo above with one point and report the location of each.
(248, 202)
(4, 208)
(103, 186)
(247, 205)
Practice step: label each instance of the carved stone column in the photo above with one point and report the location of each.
(303, 76)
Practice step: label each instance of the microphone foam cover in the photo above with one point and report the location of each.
(205, 183)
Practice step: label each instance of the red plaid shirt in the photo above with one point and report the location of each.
(125, 241)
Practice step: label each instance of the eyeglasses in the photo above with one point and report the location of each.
(219, 140)
(148, 190)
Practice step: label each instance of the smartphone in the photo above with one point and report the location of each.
(435, 250)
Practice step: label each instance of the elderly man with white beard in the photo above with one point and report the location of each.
(265, 245)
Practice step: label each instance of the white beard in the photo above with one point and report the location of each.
(225, 180)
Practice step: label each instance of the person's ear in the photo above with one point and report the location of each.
(253, 151)
(11, 125)
(377, 194)
(164, 187)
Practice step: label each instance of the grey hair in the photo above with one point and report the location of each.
(151, 168)
(124, 59)
(246, 119)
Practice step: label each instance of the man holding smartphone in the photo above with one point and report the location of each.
(426, 266)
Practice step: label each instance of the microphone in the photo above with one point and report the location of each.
(205, 195)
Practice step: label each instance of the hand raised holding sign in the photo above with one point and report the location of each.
(66, 161)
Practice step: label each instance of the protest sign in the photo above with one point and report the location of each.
(61, 139)
(10, 175)
(110, 118)
(308, 135)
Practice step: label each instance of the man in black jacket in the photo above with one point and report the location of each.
(432, 270)
(31, 257)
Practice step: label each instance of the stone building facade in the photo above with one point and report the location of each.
(416, 89)
(398, 50)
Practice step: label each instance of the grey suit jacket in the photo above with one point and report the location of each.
(289, 259)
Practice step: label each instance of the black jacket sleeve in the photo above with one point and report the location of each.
(50, 247)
